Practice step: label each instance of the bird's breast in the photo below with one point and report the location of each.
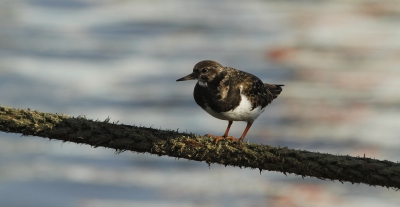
(244, 111)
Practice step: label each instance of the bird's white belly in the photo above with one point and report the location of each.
(241, 113)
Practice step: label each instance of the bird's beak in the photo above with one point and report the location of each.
(188, 77)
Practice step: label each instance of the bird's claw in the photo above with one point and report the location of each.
(219, 138)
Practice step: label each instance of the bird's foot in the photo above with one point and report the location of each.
(219, 138)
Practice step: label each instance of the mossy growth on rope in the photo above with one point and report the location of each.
(199, 148)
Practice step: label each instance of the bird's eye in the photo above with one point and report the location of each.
(204, 70)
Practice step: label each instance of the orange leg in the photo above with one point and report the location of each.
(245, 131)
(227, 129)
(225, 136)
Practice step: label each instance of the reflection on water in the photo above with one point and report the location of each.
(120, 59)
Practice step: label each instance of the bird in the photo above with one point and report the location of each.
(230, 94)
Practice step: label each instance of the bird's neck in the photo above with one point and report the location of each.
(216, 81)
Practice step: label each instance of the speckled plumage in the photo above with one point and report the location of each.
(230, 94)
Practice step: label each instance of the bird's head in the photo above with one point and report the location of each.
(204, 71)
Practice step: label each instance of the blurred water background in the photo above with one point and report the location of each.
(339, 60)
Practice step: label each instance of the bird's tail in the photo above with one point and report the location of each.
(275, 89)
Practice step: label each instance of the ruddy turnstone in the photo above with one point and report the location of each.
(230, 94)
